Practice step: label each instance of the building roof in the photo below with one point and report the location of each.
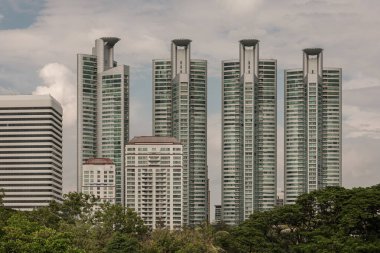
(154, 140)
(99, 161)
(312, 51)
(249, 42)
(181, 42)
(110, 41)
(30, 101)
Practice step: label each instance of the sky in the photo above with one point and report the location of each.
(39, 41)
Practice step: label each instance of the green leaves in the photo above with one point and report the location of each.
(122, 243)
(23, 235)
(330, 220)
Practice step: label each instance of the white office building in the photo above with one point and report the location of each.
(313, 126)
(103, 109)
(99, 179)
(180, 110)
(154, 180)
(249, 132)
(30, 151)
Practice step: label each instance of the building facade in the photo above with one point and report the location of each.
(313, 126)
(180, 110)
(154, 180)
(249, 132)
(218, 214)
(103, 109)
(279, 201)
(99, 179)
(30, 151)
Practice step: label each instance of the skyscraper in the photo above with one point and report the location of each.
(103, 109)
(180, 110)
(313, 126)
(248, 134)
(30, 151)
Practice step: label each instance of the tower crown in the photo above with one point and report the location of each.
(249, 42)
(312, 51)
(110, 41)
(181, 42)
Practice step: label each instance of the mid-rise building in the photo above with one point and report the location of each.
(103, 109)
(154, 180)
(180, 110)
(99, 179)
(313, 126)
(249, 131)
(30, 151)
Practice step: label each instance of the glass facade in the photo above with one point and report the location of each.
(180, 110)
(312, 127)
(162, 98)
(103, 109)
(88, 78)
(248, 134)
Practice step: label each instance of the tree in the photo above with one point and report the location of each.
(122, 243)
(162, 240)
(22, 235)
(116, 218)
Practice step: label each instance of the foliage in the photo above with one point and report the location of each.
(122, 243)
(330, 220)
(23, 235)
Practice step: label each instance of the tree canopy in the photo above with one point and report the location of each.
(330, 220)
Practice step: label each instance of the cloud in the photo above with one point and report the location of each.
(361, 116)
(59, 82)
(361, 123)
(140, 118)
(8, 91)
(360, 162)
(361, 82)
(24, 6)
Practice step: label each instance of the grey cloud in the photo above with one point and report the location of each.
(361, 162)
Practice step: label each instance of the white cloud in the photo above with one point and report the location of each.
(59, 82)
